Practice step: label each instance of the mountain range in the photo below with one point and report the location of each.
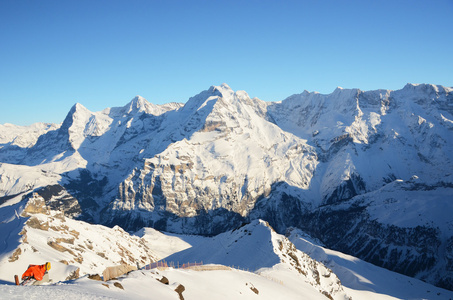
(367, 173)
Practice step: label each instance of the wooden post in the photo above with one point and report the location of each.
(16, 279)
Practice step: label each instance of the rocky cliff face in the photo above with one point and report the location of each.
(392, 228)
(39, 230)
(318, 162)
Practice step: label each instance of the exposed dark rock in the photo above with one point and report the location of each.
(164, 280)
(15, 255)
(59, 247)
(95, 277)
(179, 289)
(348, 189)
(86, 188)
(74, 275)
(34, 222)
(409, 251)
(57, 198)
(118, 285)
(6, 198)
(253, 288)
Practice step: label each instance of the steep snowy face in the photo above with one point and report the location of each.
(93, 151)
(366, 139)
(16, 141)
(23, 136)
(225, 155)
(140, 105)
(90, 132)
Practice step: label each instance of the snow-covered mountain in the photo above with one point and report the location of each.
(23, 136)
(374, 167)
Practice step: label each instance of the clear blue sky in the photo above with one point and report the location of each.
(101, 54)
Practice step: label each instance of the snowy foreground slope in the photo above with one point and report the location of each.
(32, 233)
(368, 173)
(250, 262)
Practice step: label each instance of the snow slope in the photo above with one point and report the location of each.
(273, 256)
(166, 244)
(363, 280)
(23, 136)
(405, 226)
(220, 284)
(36, 234)
(360, 280)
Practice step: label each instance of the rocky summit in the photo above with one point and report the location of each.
(368, 173)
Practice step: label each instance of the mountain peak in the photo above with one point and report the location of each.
(227, 92)
(225, 86)
(76, 108)
(423, 87)
(223, 89)
(138, 104)
(214, 92)
(139, 99)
